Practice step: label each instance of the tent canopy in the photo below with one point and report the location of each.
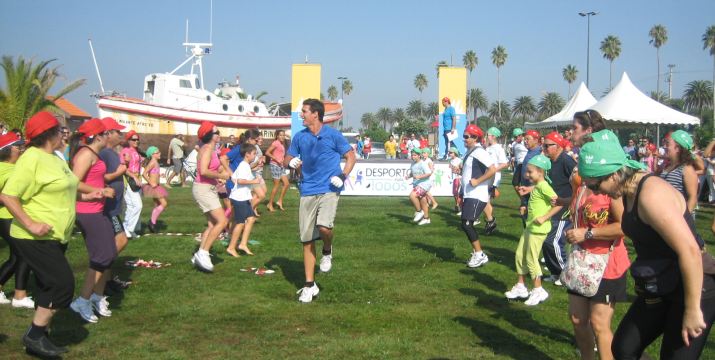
(580, 101)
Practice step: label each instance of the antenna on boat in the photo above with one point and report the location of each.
(211, 22)
(186, 38)
(96, 67)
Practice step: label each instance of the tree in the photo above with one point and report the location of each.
(524, 108)
(420, 83)
(499, 56)
(569, 73)
(709, 43)
(697, 96)
(27, 89)
(499, 112)
(398, 116)
(611, 49)
(347, 87)
(476, 100)
(432, 110)
(658, 37)
(415, 108)
(440, 64)
(659, 96)
(384, 115)
(332, 92)
(550, 104)
(470, 61)
(368, 120)
(411, 126)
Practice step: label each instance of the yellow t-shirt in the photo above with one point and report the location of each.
(47, 191)
(539, 205)
(5, 171)
(390, 148)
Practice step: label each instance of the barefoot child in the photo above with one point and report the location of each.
(152, 188)
(538, 225)
(243, 215)
(420, 173)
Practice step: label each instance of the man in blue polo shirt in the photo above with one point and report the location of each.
(316, 151)
(449, 124)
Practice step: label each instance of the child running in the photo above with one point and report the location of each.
(420, 173)
(243, 215)
(152, 188)
(426, 152)
(538, 225)
(455, 164)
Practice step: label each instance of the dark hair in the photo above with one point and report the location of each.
(249, 134)
(207, 137)
(685, 157)
(42, 139)
(246, 148)
(6, 153)
(76, 144)
(278, 133)
(590, 119)
(316, 105)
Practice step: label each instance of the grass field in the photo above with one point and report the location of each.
(396, 291)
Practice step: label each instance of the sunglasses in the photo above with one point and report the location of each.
(546, 146)
(134, 139)
(597, 185)
(469, 136)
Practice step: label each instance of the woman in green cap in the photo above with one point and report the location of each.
(680, 168)
(674, 298)
(152, 188)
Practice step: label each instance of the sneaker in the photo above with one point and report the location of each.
(537, 296)
(3, 298)
(84, 309)
(152, 227)
(517, 291)
(100, 305)
(202, 261)
(490, 226)
(26, 302)
(477, 222)
(477, 260)
(418, 216)
(459, 213)
(43, 347)
(308, 293)
(424, 221)
(326, 262)
(558, 282)
(550, 278)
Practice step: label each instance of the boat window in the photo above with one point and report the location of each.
(208, 97)
(185, 84)
(240, 108)
(225, 107)
(150, 86)
(255, 109)
(198, 84)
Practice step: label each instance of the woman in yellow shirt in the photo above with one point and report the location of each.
(391, 148)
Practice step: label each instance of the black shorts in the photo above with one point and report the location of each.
(242, 210)
(472, 209)
(609, 291)
(117, 224)
(516, 179)
(53, 275)
(492, 192)
(98, 235)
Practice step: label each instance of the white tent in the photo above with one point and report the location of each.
(580, 101)
(627, 105)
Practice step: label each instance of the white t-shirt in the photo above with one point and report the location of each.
(455, 165)
(519, 150)
(241, 192)
(474, 166)
(498, 154)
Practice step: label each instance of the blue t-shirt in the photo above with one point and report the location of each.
(113, 206)
(447, 116)
(321, 158)
(234, 159)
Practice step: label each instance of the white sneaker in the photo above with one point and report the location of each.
(424, 221)
(202, 260)
(517, 291)
(459, 213)
(477, 260)
(558, 282)
(25, 302)
(100, 305)
(418, 216)
(326, 262)
(84, 309)
(308, 293)
(477, 222)
(538, 295)
(3, 298)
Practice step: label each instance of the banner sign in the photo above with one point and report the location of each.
(452, 84)
(388, 179)
(305, 84)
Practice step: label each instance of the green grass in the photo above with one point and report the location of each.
(396, 291)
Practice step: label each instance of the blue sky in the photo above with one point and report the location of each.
(380, 45)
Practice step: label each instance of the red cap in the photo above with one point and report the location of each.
(556, 137)
(39, 123)
(651, 147)
(112, 124)
(205, 128)
(10, 139)
(567, 144)
(224, 151)
(446, 99)
(535, 134)
(474, 130)
(130, 134)
(91, 128)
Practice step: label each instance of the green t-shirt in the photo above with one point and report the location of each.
(47, 191)
(5, 171)
(539, 205)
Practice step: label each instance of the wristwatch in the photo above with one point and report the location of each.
(589, 234)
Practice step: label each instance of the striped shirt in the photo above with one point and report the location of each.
(675, 178)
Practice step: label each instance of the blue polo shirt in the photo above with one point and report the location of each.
(234, 159)
(447, 116)
(321, 158)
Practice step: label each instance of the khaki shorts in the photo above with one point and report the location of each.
(206, 196)
(316, 210)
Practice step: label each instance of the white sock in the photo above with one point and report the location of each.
(203, 252)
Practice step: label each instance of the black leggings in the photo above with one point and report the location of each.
(648, 318)
(15, 265)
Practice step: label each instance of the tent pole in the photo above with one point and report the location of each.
(657, 139)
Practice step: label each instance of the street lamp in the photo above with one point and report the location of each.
(588, 41)
(342, 80)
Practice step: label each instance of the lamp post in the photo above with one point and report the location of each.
(342, 80)
(588, 41)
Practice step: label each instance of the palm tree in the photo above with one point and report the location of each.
(383, 115)
(499, 56)
(658, 37)
(611, 49)
(398, 117)
(432, 110)
(347, 87)
(470, 61)
(421, 83)
(697, 96)
(440, 64)
(27, 89)
(332, 92)
(476, 100)
(550, 104)
(709, 43)
(659, 96)
(367, 120)
(569, 73)
(524, 108)
(499, 112)
(415, 108)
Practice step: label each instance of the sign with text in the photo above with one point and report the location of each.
(388, 179)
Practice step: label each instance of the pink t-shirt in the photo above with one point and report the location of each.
(594, 211)
(135, 160)
(213, 166)
(93, 178)
(279, 153)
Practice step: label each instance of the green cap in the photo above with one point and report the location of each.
(598, 159)
(454, 150)
(427, 151)
(517, 132)
(151, 150)
(683, 139)
(605, 136)
(494, 131)
(417, 150)
(542, 162)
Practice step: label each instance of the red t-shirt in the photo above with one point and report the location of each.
(424, 143)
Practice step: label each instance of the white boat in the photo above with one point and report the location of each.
(177, 104)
